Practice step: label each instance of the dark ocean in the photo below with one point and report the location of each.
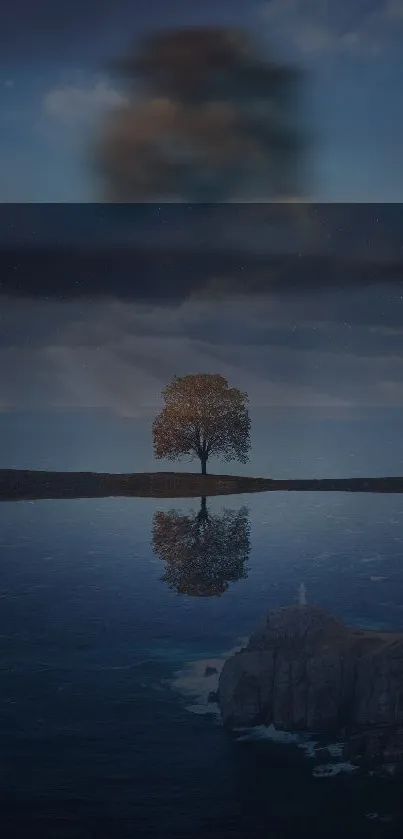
(110, 615)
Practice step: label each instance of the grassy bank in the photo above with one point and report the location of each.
(22, 485)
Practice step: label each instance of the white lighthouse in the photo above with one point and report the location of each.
(302, 595)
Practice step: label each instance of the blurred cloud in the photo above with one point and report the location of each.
(317, 27)
(75, 103)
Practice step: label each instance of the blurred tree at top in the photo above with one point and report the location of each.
(207, 118)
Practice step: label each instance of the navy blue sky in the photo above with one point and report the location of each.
(54, 85)
(101, 305)
(315, 323)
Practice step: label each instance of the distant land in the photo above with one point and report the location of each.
(24, 485)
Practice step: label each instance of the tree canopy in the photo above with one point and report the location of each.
(202, 416)
(203, 552)
(208, 118)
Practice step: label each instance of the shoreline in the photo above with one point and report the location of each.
(28, 485)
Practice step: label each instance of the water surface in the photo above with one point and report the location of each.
(106, 608)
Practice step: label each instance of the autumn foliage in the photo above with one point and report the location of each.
(202, 416)
(203, 553)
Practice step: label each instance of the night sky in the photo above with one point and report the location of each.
(54, 85)
(101, 306)
(300, 306)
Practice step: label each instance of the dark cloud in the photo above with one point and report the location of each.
(58, 27)
(56, 23)
(162, 274)
(317, 328)
(174, 252)
(118, 354)
(345, 27)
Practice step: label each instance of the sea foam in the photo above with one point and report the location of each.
(198, 680)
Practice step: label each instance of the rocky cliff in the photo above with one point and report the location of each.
(303, 670)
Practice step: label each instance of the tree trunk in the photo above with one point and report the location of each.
(203, 465)
(203, 513)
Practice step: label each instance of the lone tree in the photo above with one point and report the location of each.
(202, 416)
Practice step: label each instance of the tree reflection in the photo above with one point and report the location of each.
(203, 552)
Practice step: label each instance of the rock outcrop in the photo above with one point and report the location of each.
(304, 670)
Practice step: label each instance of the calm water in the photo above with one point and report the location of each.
(110, 612)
